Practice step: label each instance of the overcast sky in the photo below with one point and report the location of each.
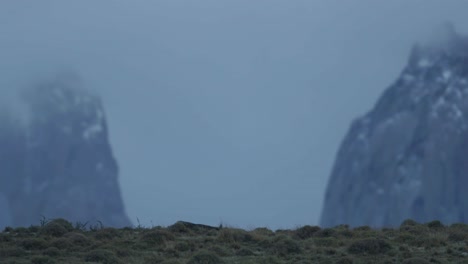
(222, 111)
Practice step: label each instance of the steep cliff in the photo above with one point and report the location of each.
(67, 168)
(408, 157)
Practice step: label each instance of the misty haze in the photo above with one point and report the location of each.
(215, 112)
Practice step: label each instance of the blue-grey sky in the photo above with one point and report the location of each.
(222, 111)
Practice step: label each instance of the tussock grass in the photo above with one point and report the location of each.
(59, 241)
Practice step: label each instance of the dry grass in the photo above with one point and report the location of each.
(58, 241)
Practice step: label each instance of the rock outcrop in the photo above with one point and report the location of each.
(67, 168)
(408, 157)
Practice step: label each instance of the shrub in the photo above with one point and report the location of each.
(51, 252)
(327, 242)
(107, 233)
(54, 229)
(415, 261)
(78, 239)
(170, 261)
(184, 246)
(344, 260)
(284, 246)
(34, 244)
(244, 252)
(101, 256)
(436, 224)
(362, 228)
(434, 239)
(179, 227)
(67, 225)
(42, 260)
(405, 237)
(268, 260)
(12, 252)
(306, 231)
(409, 222)
(153, 259)
(415, 230)
(5, 238)
(326, 232)
(157, 237)
(263, 231)
(457, 236)
(8, 229)
(205, 257)
(369, 246)
(231, 235)
(34, 229)
(61, 243)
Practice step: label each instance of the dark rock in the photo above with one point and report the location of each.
(68, 169)
(408, 157)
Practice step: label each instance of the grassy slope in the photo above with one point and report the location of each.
(58, 241)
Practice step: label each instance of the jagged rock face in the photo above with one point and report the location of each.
(408, 157)
(69, 169)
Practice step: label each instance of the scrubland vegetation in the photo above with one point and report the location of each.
(58, 241)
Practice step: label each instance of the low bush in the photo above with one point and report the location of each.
(42, 260)
(102, 256)
(306, 231)
(157, 237)
(205, 257)
(436, 224)
(369, 246)
(51, 252)
(415, 260)
(34, 244)
(78, 239)
(326, 232)
(285, 246)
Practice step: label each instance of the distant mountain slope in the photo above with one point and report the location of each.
(408, 157)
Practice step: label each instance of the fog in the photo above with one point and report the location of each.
(221, 111)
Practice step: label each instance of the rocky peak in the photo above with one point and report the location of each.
(68, 169)
(406, 158)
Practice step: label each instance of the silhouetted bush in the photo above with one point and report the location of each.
(362, 228)
(54, 229)
(409, 222)
(436, 224)
(306, 231)
(326, 232)
(263, 231)
(179, 227)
